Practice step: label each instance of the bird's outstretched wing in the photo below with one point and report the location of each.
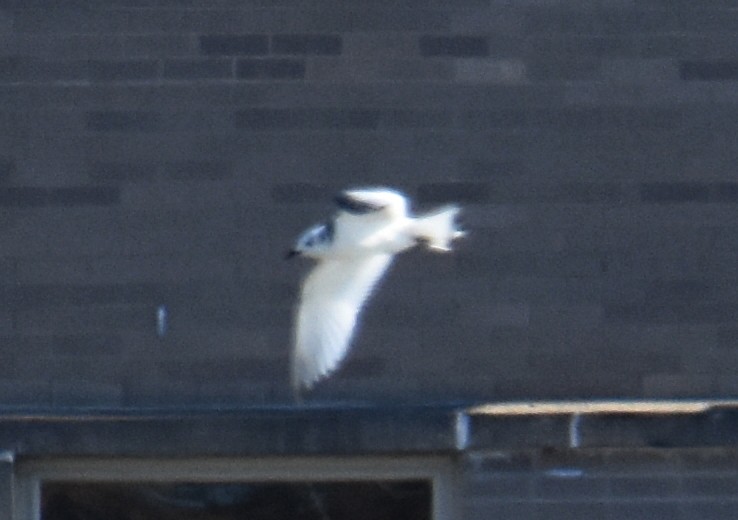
(372, 200)
(332, 296)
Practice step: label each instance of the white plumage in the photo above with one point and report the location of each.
(353, 250)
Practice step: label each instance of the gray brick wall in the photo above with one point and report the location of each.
(612, 484)
(167, 153)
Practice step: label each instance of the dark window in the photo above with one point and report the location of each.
(355, 500)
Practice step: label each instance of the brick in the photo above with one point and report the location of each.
(307, 44)
(196, 371)
(672, 291)
(673, 192)
(123, 70)
(87, 323)
(122, 171)
(455, 46)
(300, 193)
(491, 71)
(574, 484)
(23, 197)
(32, 197)
(380, 45)
(708, 70)
(188, 69)
(80, 294)
(379, 69)
(25, 392)
(197, 170)
(150, 46)
(84, 196)
(648, 486)
(234, 45)
(31, 69)
(123, 121)
(286, 119)
(79, 344)
(508, 487)
(359, 18)
(728, 337)
(270, 69)
(409, 118)
(453, 192)
(632, 70)
(724, 192)
(709, 485)
(86, 393)
(694, 313)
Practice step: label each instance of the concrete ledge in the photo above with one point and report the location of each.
(596, 424)
(360, 430)
(287, 431)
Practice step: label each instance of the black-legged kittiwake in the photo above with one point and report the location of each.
(353, 249)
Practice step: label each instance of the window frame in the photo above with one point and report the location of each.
(31, 474)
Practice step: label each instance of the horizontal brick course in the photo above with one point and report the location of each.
(314, 44)
(233, 45)
(270, 69)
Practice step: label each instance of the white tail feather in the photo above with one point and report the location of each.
(438, 228)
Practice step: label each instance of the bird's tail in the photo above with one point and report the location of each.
(438, 228)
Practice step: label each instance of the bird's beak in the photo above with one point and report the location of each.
(291, 254)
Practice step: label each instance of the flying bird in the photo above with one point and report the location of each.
(353, 249)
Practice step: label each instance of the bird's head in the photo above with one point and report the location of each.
(313, 242)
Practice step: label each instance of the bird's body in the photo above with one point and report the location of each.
(353, 250)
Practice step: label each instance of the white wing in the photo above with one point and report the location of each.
(332, 296)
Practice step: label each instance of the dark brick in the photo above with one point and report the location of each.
(33, 69)
(9, 67)
(320, 44)
(406, 118)
(62, 319)
(300, 192)
(270, 69)
(454, 46)
(197, 69)
(564, 67)
(25, 393)
(206, 370)
(724, 192)
(84, 196)
(123, 70)
(288, 119)
(123, 121)
(727, 337)
(677, 312)
(23, 296)
(234, 45)
(86, 393)
(453, 192)
(359, 18)
(708, 70)
(671, 291)
(7, 168)
(78, 344)
(203, 170)
(23, 197)
(122, 171)
(674, 192)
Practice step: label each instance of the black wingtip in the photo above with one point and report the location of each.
(352, 205)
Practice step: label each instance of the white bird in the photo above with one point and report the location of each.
(353, 249)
